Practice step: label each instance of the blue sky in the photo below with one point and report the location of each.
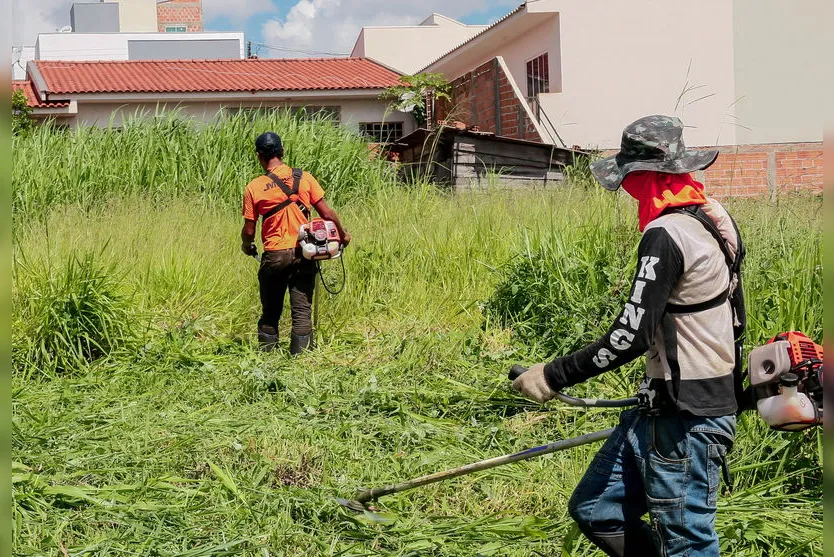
(295, 27)
(316, 27)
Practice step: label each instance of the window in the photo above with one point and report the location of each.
(332, 113)
(538, 76)
(382, 132)
(175, 28)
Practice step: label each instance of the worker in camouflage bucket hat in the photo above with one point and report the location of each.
(685, 312)
(651, 143)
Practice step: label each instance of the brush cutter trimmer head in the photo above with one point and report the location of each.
(355, 506)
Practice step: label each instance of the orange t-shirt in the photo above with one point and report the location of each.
(280, 231)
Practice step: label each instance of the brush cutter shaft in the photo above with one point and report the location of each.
(517, 370)
(372, 494)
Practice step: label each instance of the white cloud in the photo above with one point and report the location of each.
(299, 25)
(309, 25)
(43, 16)
(332, 26)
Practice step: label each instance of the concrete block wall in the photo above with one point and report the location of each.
(180, 12)
(474, 102)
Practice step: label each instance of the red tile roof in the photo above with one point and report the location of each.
(32, 99)
(190, 76)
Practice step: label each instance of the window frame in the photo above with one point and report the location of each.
(329, 112)
(378, 135)
(537, 71)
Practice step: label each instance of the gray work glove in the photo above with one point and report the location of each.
(249, 249)
(533, 384)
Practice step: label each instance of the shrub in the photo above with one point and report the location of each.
(21, 113)
(563, 292)
(72, 318)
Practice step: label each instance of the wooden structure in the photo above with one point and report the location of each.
(467, 158)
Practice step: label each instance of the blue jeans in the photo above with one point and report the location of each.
(669, 466)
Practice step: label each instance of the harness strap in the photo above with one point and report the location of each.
(291, 193)
(719, 300)
(697, 213)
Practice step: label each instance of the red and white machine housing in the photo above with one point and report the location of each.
(786, 377)
(319, 240)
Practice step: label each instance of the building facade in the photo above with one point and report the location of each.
(138, 46)
(108, 30)
(108, 93)
(179, 16)
(576, 73)
(397, 47)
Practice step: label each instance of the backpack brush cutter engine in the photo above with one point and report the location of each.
(319, 240)
(786, 381)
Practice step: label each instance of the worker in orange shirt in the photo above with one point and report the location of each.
(282, 199)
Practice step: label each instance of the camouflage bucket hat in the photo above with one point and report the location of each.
(651, 143)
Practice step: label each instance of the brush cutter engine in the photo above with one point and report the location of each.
(319, 240)
(786, 381)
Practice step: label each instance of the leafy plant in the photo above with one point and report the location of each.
(21, 113)
(415, 91)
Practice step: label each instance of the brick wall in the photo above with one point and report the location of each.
(180, 12)
(474, 102)
(766, 170)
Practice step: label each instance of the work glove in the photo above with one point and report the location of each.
(346, 239)
(249, 249)
(533, 384)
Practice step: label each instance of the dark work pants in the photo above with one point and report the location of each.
(282, 270)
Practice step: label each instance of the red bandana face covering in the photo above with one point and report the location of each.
(657, 191)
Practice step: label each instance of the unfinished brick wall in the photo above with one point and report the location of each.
(188, 13)
(766, 170)
(474, 102)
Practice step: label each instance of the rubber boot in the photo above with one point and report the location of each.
(300, 343)
(637, 542)
(267, 338)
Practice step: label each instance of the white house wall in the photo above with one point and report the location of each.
(540, 39)
(624, 60)
(358, 111)
(779, 69)
(353, 111)
(137, 16)
(111, 46)
(407, 49)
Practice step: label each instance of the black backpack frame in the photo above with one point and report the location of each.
(734, 292)
(289, 192)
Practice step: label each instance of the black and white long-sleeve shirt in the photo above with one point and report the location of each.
(679, 262)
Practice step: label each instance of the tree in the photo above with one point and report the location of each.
(21, 113)
(414, 91)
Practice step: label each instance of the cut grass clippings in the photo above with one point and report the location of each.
(182, 439)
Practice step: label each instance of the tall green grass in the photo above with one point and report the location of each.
(170, 157)
(182, 439)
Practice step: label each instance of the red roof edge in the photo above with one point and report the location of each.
(32, 99)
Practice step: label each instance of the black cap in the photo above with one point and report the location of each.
(269, 144)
